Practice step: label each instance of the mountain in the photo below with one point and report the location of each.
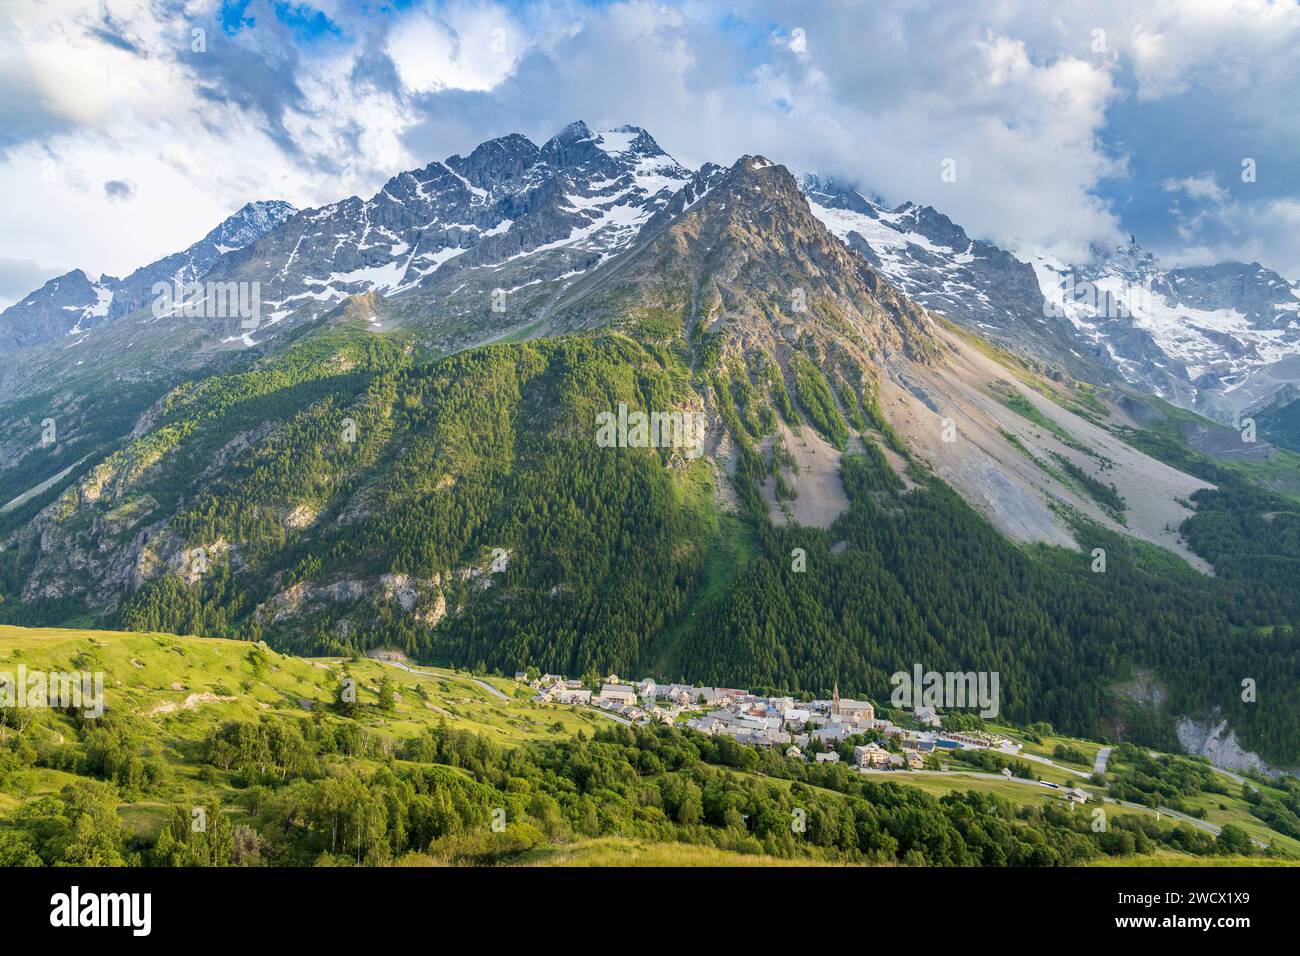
(339, 494)
(478, 246)
(482, 236)
(405, 451)
(934, 262)
(1222, 340)
(66, 305)
(469, 249)
(70, 305)
(1280, 424)
(245, 227)
(739, 252)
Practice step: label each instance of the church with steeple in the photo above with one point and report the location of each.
(847, 710)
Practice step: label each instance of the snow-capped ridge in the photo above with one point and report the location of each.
(71, 305)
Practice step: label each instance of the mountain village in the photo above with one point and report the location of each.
(807, 730)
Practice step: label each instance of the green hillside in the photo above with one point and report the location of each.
(263, 750)
(166, 694)
(340, 495)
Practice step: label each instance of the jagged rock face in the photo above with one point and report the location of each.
(515, 235)
(352, 600)
(1217, 742)
(740, 252)
(467, 249)
(468, 234)
(71, 304)
(66, 305)
(100, 535)
(1221, 340)
(497, 162)
(934, 262)
(249, 224)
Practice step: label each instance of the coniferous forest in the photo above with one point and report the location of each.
(318, 480)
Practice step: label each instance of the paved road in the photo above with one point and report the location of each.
(1043, 760)
(488, 687)
(1205, 825)
(473, 680)
(1103, 755)
(1200, 824)
(1238, 778)
(904, 774)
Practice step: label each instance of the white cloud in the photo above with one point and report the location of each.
(1216, 226)
(465, 47)
(1022, 131)
(1266, 232)
(1240, 45)
(142, 117)
(1018, 96)
(1202, 187)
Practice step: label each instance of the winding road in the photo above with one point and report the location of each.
(402, 665)
(495, 692)
(1205, 825)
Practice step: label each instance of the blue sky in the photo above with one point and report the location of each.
(129, 128)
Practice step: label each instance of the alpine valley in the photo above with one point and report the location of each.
(918, 447)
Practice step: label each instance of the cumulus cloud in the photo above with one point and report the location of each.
(465, 47)
(1240, 46)
(1056, 121)
(1266, 232)
(1022, 130)
(1204, 187)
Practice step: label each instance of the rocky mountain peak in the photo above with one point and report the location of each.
(571, 146)
(932, 260)
(252, 221)
(1129, 259)
(65, 305)
(536, 222)
(739, 252)
(581, 151)
(1218, 339)
(497, 161)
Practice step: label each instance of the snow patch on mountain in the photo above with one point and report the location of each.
(1221, 340)
(541, 214)
(72, 305)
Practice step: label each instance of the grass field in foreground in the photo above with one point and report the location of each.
(613, 851)
(176, 690)
(1170, 858)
